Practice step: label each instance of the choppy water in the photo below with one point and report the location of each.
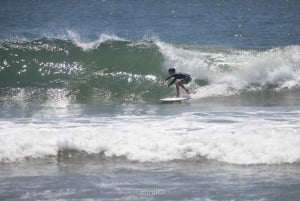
(80, 117)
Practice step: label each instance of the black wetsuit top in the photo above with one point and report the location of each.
(179, 76)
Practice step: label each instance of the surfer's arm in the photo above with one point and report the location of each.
(169, 77)
(172, 82)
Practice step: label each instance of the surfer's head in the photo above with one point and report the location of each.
(171, 70)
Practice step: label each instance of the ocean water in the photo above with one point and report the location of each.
(80, 117)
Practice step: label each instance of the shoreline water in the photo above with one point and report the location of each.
(113, 179)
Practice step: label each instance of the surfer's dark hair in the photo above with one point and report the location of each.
(171, 70)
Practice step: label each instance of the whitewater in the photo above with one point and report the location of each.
(239, 137)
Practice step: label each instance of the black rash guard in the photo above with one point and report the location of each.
(179, 76)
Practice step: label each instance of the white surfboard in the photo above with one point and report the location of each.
(174, 99)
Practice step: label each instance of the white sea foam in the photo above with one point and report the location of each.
(244, 138)
(230, 71)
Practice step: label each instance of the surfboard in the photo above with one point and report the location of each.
(174, 99)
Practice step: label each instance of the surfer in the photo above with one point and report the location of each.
(180, 79)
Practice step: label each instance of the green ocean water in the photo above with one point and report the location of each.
(113, 70)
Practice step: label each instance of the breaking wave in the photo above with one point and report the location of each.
(113, 69)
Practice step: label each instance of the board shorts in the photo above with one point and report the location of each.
(186, 80)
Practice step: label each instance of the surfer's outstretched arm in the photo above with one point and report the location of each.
(172, 82)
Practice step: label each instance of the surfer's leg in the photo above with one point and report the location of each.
(180, 83)
(177, 89)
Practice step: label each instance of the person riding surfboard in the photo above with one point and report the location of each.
(179, 79)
